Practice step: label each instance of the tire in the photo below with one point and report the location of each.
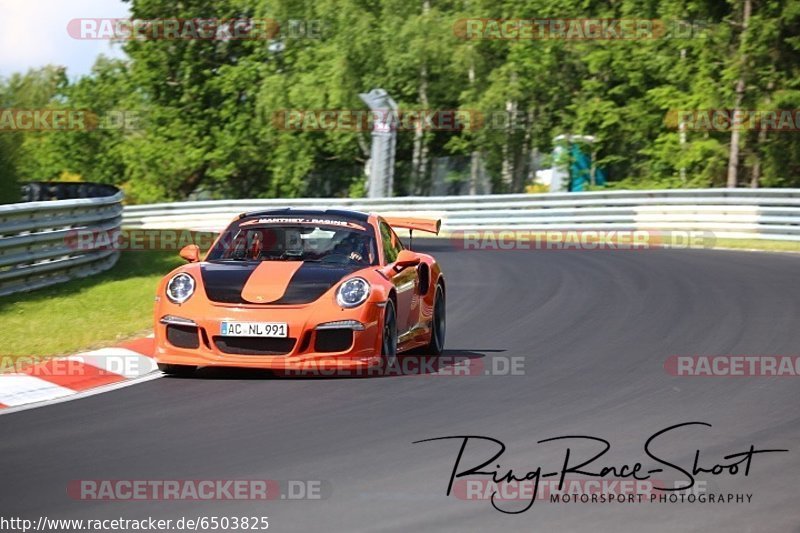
(176, 370)
(438, 324)
(389, 337)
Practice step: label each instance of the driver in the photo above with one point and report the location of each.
(353, 246)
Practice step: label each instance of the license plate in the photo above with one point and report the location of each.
(254, 329)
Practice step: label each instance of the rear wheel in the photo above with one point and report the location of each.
(438, 324)
(389, 336)
(176, 370)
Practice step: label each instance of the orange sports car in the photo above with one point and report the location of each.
(299, 289)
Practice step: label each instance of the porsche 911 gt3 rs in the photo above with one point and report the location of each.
(280, 289)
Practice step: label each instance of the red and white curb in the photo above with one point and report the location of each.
(64, 378)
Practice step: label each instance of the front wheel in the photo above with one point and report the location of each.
(389, 336)
(176, 370)
(438, 324)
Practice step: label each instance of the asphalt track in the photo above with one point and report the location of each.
(594, 329)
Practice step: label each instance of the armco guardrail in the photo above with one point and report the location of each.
(35, 245)
(733, 213)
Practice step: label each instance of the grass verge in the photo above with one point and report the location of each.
(758, 244)
(86, 313)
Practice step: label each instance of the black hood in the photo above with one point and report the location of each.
(224, 282)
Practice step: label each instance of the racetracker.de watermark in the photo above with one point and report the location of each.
(203, 29)
(106, 361)
(504, 495)
(596, 490)
(726, 120)
(137, 240)
(577, 29)
(591, 240)
(408, 365)
(44, 119)
(733, 365)
(387, 120)
(197, 489)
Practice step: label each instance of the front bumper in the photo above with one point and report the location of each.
(305, 348)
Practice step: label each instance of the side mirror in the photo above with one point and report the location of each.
(406, 258)
(191, 252)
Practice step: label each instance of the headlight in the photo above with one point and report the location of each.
(352, 292)
(180, 288)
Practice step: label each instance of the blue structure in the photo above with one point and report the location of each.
(580, 169)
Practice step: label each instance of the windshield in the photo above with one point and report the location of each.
(277, 239)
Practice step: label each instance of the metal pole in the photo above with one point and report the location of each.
(384, 140)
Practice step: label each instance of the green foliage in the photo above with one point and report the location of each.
(96, 311)
(9, 181)
(34, 89)
(206, 108)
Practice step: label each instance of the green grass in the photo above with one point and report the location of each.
(758, 244)
(87, 313)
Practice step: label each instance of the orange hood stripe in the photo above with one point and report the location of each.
(269, 281)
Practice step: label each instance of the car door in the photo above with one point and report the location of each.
(405, 282)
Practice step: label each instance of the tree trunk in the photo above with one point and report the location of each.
(419, 157)
(682, 132)
(474, 170)
(523, 161)
(508, 168)
(475, 157)
(733, 160)
(755, 178)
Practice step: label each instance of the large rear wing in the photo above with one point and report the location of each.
(429, 225)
